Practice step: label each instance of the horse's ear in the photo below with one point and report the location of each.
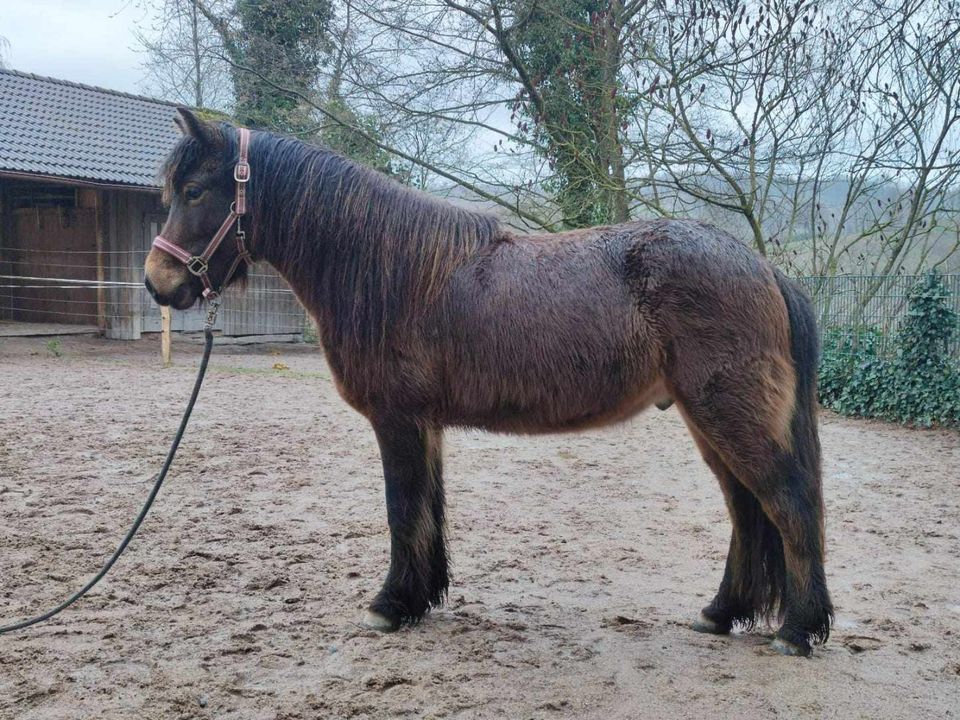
(193, 126)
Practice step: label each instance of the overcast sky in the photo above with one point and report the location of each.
(87, 41)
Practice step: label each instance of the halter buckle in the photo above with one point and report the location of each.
(241, 172)
(197, 266)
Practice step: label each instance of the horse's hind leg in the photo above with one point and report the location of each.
(750, 419)
(743, 595)
(792, 502)
(417, 579)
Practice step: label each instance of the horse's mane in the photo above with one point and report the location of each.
(372, 250)
(360, 214)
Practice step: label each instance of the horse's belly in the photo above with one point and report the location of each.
(560, 407)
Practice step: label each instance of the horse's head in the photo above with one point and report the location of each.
(198, 187)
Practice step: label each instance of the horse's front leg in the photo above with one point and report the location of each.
(417, 579)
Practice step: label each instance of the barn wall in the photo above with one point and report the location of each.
(267, 307)
(48, 242)
(124, 237)
(106, 237)
(55, 242)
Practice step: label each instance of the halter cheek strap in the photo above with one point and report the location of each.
(199, 265)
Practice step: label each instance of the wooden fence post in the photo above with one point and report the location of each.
(165, 335)
(99, 230)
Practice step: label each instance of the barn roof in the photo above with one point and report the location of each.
(63, 129)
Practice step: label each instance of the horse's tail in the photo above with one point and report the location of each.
(805, 467)
(805, 353)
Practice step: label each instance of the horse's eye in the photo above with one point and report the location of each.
(193, 192)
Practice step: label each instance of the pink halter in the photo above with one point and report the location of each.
(198, 265)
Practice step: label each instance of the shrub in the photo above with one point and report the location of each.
(918, 384)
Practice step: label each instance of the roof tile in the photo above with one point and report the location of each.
(65, 129)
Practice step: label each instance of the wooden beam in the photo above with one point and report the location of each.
(165, 351)
(99, 233)
(6, 240)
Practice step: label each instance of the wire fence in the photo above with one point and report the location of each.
(39, 287)
(874, 304)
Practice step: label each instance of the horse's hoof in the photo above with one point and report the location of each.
(703, 624)
(372, 620)
(785, 647)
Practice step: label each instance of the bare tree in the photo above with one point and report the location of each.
(538, 83)
(184, 58)
(914, 116)
(432, 81)
(880, 196)
(826, 132)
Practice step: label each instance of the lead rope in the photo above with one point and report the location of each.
(171, 453)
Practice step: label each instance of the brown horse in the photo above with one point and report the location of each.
(431, 315)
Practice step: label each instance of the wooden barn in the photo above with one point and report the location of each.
(79, 207)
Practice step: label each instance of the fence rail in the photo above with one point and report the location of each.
(267, 307)
(870, 303)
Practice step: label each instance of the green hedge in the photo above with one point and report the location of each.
(918, 383)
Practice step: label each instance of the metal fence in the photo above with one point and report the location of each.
(875, 304)
(42, 294)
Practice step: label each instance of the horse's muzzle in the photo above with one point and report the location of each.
(182, 298)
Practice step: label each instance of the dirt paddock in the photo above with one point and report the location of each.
(578, 560)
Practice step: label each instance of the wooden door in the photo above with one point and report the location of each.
(58, 243)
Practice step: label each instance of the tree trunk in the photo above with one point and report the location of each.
(613, 149)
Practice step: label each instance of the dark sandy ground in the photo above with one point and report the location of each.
(579, 560)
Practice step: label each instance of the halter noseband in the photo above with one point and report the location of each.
(199, 265)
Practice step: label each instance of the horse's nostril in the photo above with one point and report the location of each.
(149, 285)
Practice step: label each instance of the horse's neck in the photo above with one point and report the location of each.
(299, 217)
(318, 239)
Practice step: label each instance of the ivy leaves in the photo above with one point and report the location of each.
(918, 385)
